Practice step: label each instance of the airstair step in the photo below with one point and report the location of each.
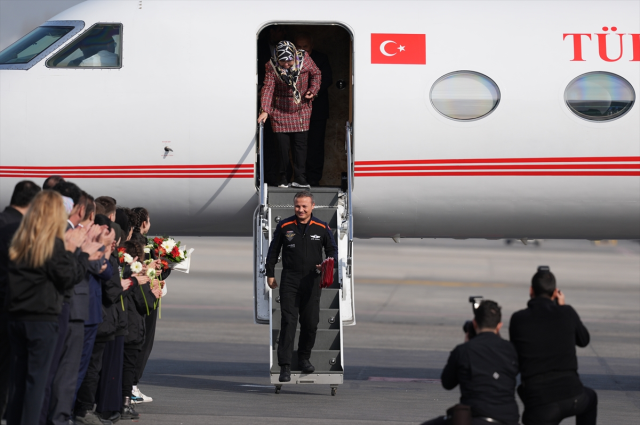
(326, 339)
(329, 319)
(325, 196)
(325, 361)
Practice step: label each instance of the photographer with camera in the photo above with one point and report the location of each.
(486, 367)
(545, 335)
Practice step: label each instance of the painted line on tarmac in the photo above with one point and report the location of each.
(430, 283)
(388, 379)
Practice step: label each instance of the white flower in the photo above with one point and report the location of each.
(168, 244)
(151, 273)
(147, 250)
(128, 258)
(136, 267)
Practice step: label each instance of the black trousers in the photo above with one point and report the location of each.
(63, 389)
(150, 322)
(299, 301)
(129, 368)
(443, 420)
(109, 395)
(297, 142)
(5, 362)
(33, 345)
(86, 397)
(63, 324)
(584, 407)
(315, 151)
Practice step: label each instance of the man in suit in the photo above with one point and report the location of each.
(10, 219)
(23, 194)
(320, 112)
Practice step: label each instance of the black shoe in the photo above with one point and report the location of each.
(111, 416)
(285, 373)
(306, 366)
(128, 412)
(91, 418)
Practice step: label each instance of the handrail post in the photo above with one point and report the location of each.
(349, 180)
(261, 141)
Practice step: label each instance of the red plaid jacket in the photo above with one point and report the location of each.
(277, 98)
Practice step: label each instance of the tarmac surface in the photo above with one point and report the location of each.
(210, 363)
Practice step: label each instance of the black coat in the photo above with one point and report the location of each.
(10, 215)
(486, 368)
(139, 301)
(545, 336)
(36, 293)
(111, 292)
(6, 235)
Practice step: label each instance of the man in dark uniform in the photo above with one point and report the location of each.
(319, 113)
(486, 367)
(545, 335)
(301, 238)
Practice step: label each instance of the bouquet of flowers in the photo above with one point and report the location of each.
(170, 252)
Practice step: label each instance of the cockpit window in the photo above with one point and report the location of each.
(32, 44)
(99, 47)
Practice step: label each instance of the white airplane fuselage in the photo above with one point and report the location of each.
(530, 169)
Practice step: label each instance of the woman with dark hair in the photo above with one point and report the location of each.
(42, 267)
(141, 224)
(292, 80)
(122, 218)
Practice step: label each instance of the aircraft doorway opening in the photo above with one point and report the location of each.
(330, 46)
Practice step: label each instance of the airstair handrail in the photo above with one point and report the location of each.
(349, 179)
(263, 199)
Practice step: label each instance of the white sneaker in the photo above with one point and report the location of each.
(141, 397)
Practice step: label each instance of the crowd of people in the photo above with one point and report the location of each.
(79, 287)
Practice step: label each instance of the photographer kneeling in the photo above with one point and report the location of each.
(486, 368)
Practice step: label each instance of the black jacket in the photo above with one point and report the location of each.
(79, 295)
(139, 301)
(301, 247)
(111, 292)
(545, 336)
(36, 294)
(486, 368)
(320, 109)
(6, 235)
(10, 215)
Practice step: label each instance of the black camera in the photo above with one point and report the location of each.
(468, 325)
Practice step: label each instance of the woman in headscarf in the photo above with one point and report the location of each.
(291, 82)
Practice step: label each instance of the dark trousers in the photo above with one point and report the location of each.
(109, 395)
(63, 324)
(129, 368)
(33, 345)
(86, 397)
(149, 335)
(297, 142)
(315, 151)
(584, 407)
(270, 156)
(63, 388)
(89, 339)
(299, 301)
(5, 362)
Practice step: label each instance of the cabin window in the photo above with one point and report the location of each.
(99, 47)
(31, 48)
(599, 96)
(465, 95)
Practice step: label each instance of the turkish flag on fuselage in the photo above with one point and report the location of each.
(401, 49)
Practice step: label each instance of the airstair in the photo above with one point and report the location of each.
(333, 205)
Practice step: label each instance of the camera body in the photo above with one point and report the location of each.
(468, 325)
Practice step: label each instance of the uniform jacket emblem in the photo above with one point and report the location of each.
(290, 235)
(315, 237)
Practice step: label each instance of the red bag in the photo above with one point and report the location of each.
(327, 273)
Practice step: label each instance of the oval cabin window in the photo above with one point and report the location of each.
(465, 95)
(599, 96)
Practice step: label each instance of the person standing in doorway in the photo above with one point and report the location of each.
(301, 239)
(320, 112)
(292, 80)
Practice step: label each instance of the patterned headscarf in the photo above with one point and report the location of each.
(286, 51)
